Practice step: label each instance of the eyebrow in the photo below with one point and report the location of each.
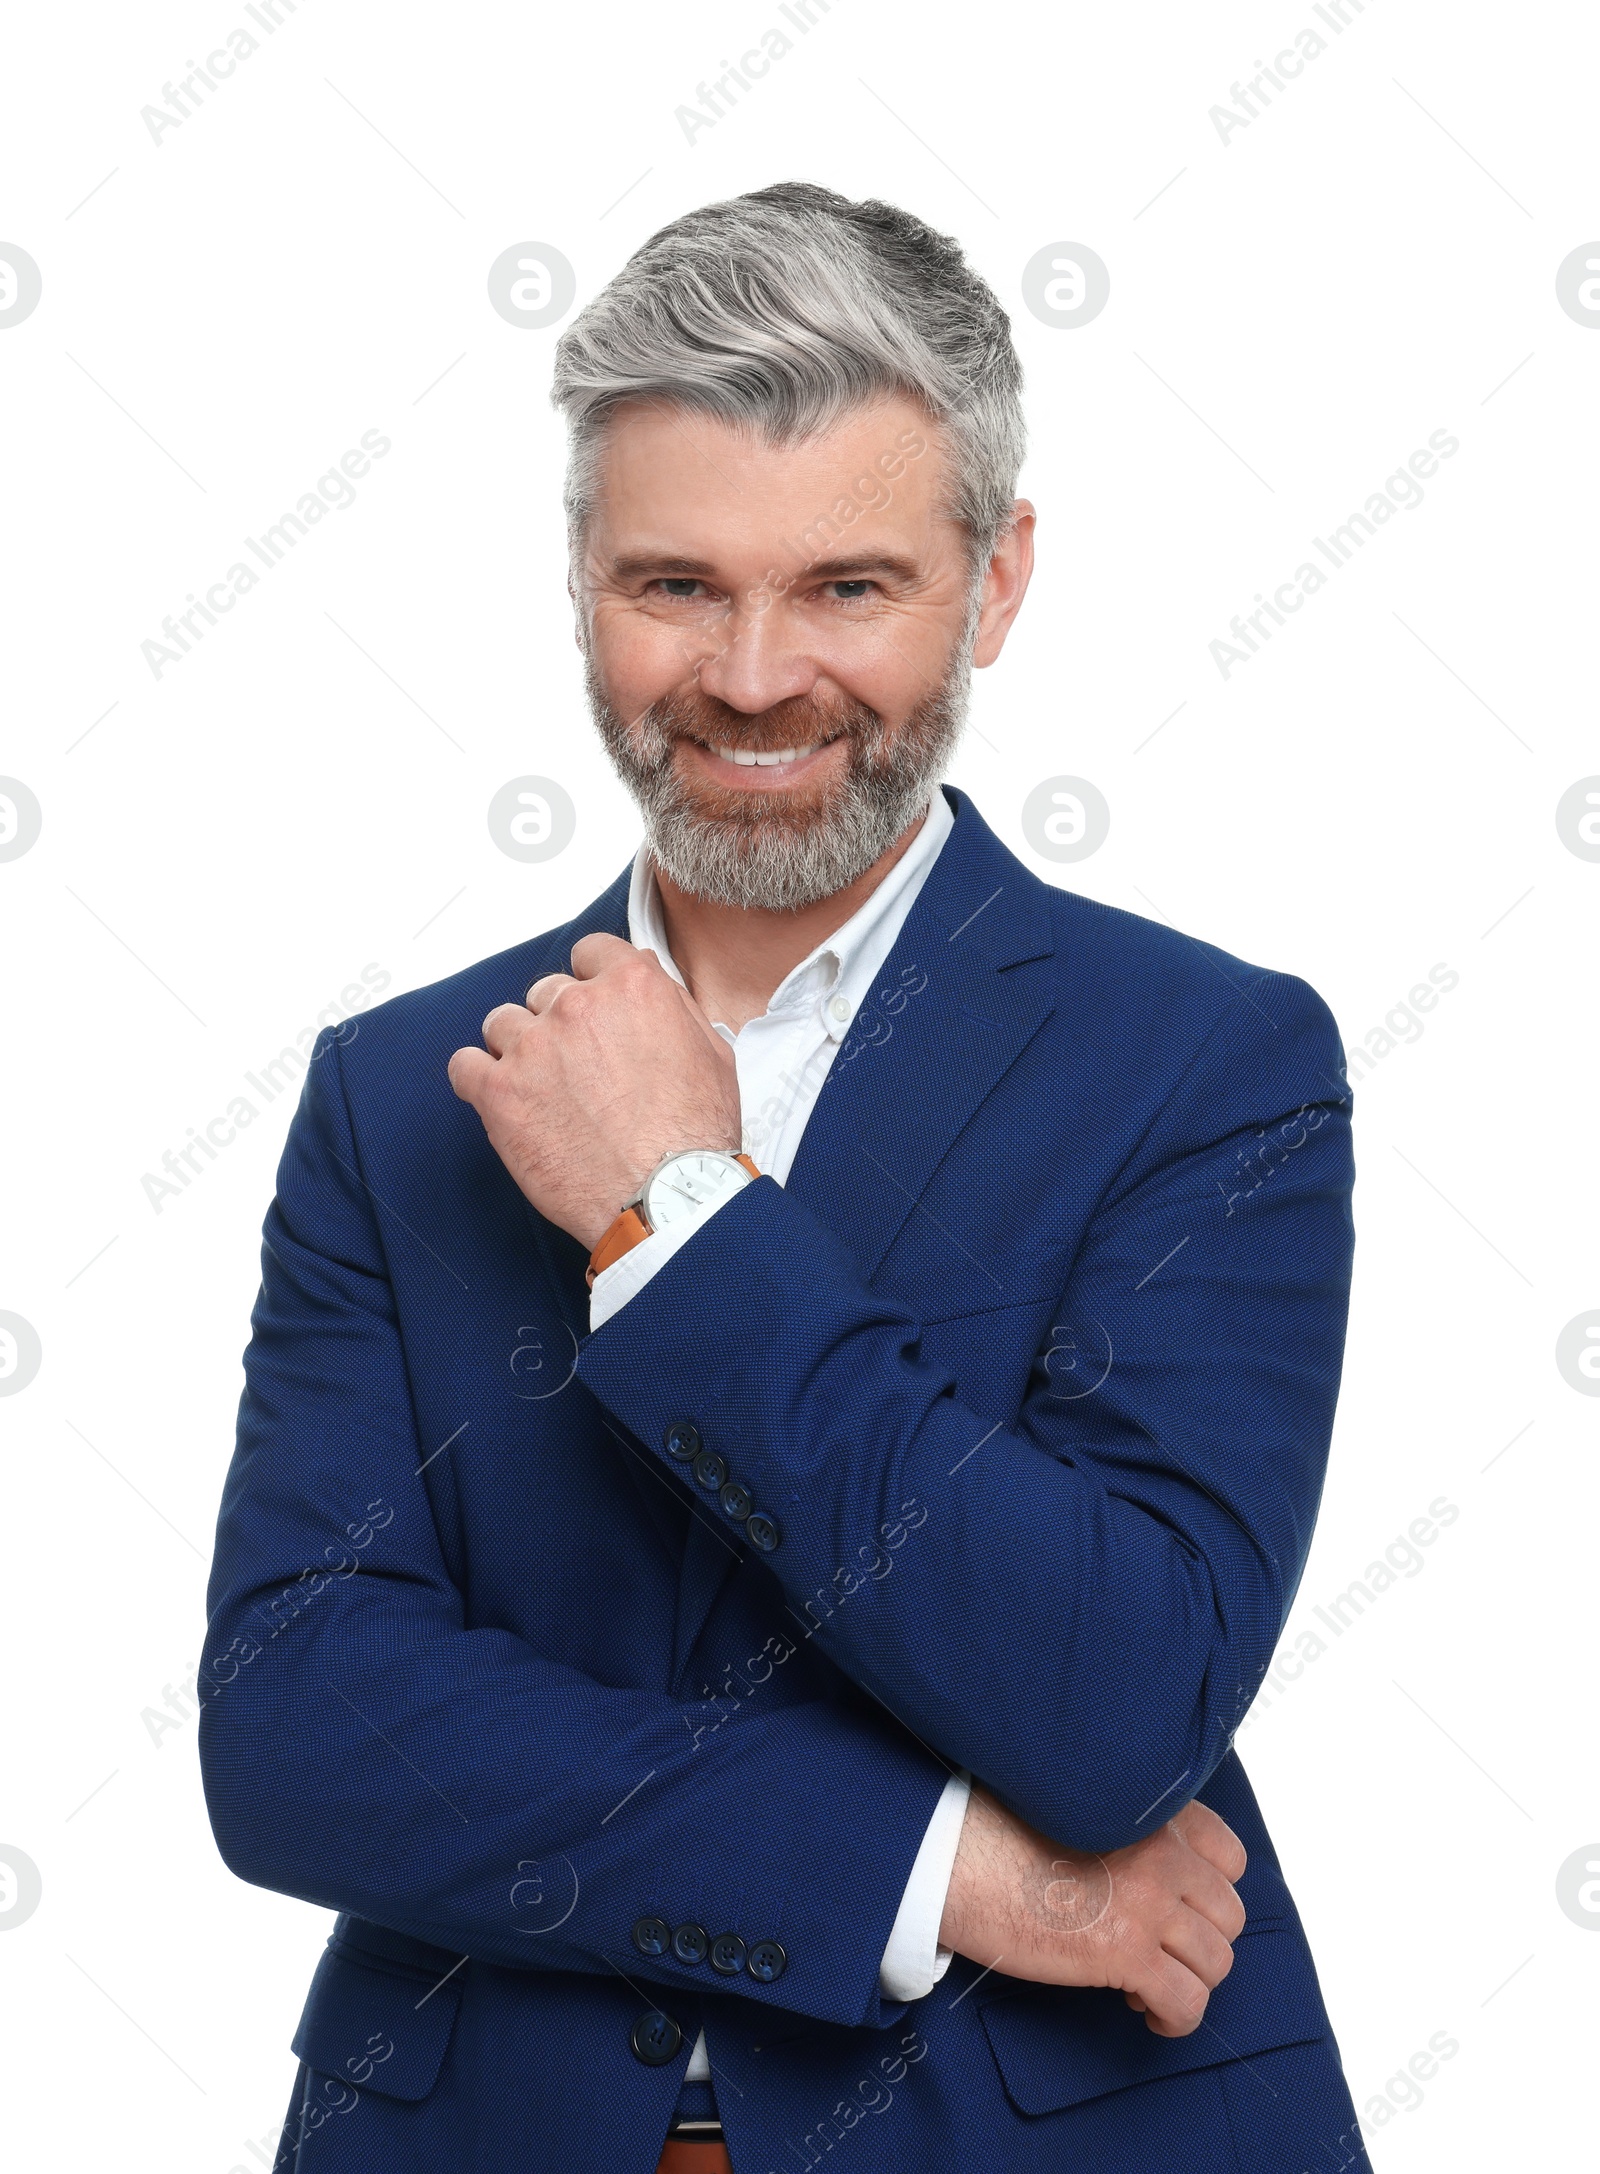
(847, 568)
(650, 562)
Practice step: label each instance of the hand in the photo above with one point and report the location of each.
(586, 1085)
(1156, 1920)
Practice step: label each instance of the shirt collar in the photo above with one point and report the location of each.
(843, 965)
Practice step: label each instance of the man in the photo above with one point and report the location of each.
(785, 1417)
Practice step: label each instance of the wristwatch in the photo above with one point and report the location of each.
(676, 1187)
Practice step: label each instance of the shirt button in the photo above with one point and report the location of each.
(655, 2039)
(766, 1961)
(737, 1501)
(652, 1935)
(690, 1943)
(762, 1531)
(710, 1469)
(682, 1440)
(727, 1954)
(840, 1008)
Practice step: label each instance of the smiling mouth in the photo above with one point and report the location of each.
(767, 759)
(769, 763)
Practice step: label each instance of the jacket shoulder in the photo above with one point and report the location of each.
(1145, 958)
(1102, 956)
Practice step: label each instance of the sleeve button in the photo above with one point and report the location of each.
(766, 1961)
(710, 1469)
(690, 1943)
(738, 1501)
(763, 1532)
(652, 1935)
(682, 1440)
(727, 1954)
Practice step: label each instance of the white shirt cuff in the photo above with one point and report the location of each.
(614, 1286)
(914, 1962)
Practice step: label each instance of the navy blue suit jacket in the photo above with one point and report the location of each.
(1032, 1367)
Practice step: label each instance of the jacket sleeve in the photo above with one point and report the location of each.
(1092, 1585)
(365, 1750)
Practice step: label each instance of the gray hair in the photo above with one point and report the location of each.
(782, 311)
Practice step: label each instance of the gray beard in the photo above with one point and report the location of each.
(771, 860)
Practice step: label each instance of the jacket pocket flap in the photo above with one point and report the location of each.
(1056, 2046)
(376, 2027)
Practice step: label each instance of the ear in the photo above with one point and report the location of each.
(1006, 583)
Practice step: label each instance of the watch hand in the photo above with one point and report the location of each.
(694, 1199)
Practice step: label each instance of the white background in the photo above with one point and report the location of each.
(225, 848)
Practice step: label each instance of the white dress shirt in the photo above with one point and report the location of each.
(782, 1059)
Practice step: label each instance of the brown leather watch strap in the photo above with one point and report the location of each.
(630, 1229)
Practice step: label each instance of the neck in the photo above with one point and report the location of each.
(734, 957)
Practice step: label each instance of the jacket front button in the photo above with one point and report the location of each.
(652, 1935)
(727, 1954)
(766, 1961)
(690, 1943)
(655, 2039)
(682, 1440)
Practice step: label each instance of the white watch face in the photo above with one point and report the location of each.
(686, 1182)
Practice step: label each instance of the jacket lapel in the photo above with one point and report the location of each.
(894, 1102)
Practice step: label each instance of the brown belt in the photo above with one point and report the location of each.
(694, 2155)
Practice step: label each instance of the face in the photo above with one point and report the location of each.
(778, 641)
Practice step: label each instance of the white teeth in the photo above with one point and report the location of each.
(749, 761)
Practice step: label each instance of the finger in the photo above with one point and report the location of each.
(1175, 1999)
(1213, 1839)
(1204, 1889)
(593, 953)
(545, 991)
(1196, 1943)
(1135, 2003)
(469, 1072)
(505, 1027)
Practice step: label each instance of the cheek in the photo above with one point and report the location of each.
(641, 657)
(882, 663)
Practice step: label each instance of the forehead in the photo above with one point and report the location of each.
(710, 487)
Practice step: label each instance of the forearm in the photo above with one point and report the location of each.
(1001, 1602)
(447, 1803)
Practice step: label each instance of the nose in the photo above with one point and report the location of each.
(753, 661)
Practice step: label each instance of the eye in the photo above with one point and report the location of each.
(681, 586)
(851, 592)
